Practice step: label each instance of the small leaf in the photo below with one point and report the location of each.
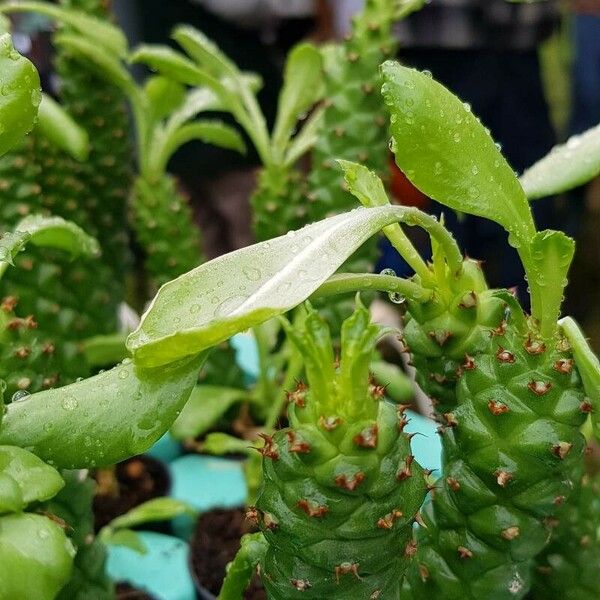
(221, 443)
(244, 288)
(124, 537)
(105, 64)
(397, 384)
(204, 52)
(35, 480)
(301, 89)
(447, 153)
(241, 569)
(551, 256)
(164, 96)
(105, 350)
(101, 33)
(216, 133)
(205, 407)
(61, 130)
(109, 417)
(20, 94)
(157, 509)
(307, 137)
(588, 366)
(565, 167)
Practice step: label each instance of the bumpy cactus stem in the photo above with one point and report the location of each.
(341, 489)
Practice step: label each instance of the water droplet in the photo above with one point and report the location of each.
(456, 137)
(389, 272)
(396, 297)
(43, 534)
(123, 374)
(229, 305)
(19, 396)
(251, 273)
(427, 73)
(438, 168)
(47, 427)
(36, 97)
(467, 106)
(475, 169)
(194, 308)
(69, 403)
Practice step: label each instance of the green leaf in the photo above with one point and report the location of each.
(104, 419)
(397, 384)
(244, 288)
(221, 443)
(204, 52)
(241, 569)
(205, 407)
(551, 256)
(34, 480)
(57, 125)
(565, 167)
(173, 65)
(302, 79)
(36, 557)
(588, 366)
(106, 65)
(447, 153)
(105, 350)
(157, 509)
(49, 232)
(102, 34)
(216, 133)
(123, 537)
(20, 94)
(164, 96)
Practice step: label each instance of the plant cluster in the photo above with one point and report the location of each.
(343, 507)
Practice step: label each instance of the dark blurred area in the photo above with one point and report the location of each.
(530, 71)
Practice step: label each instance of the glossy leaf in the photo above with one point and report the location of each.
(571, 164)
(104, 419)
(244, 288)
(102, 34)
(447, 153)
(302, 79)
(157, 509)
(551, 256)
(61, 130)
(31, 480)
(241, 569)
(36, 557)
(20, 94)
(588, 366)
(105, 350)
(205, 407)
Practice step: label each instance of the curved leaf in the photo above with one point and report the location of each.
(57, 125)
(36, 557)
(49, 232)
(244, 288)
(565, 167)
(157, 509)
(98, 31)
(34, 480)
(216, 133)
(104, 419)
(20, 94)
(164, 96)
(447, 153)
(206, 405)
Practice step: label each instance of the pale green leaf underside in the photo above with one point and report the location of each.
(157, 509)
(448, 154)
(244, 288)
(571, 164)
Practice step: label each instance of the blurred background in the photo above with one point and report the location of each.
(530, 71)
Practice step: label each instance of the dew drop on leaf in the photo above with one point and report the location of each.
(69, 403)
(19, 396)
(251, 273)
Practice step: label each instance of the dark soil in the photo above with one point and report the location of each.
(125, 591)
(138, 479)
(215, 542)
